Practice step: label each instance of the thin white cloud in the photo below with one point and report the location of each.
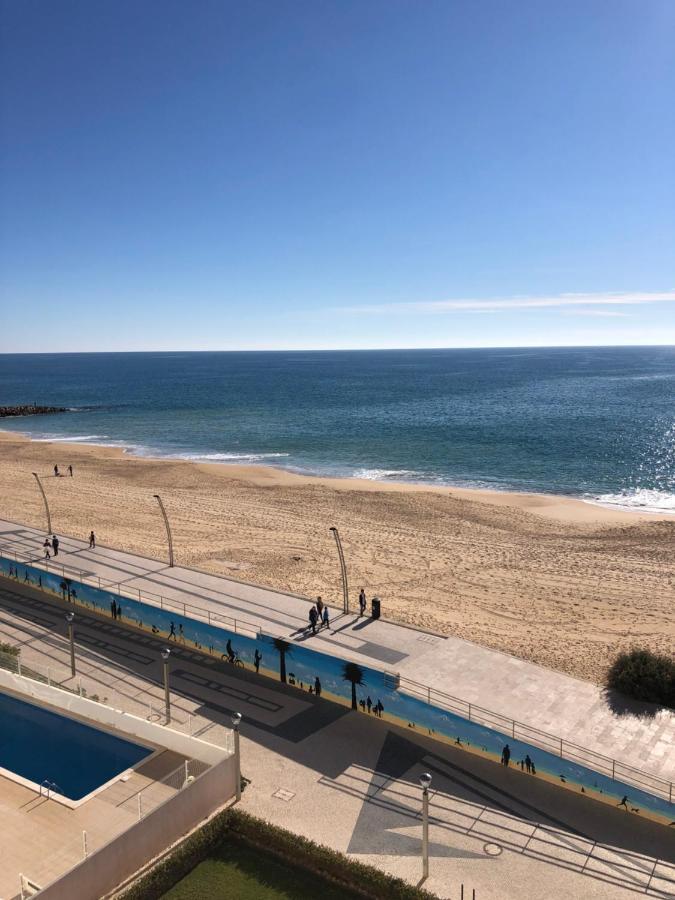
(501, 304)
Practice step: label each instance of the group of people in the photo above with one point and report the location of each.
(51, 547)
(57, 473)
(115, 610)
(526, 765)
(319, 615)
(376, 708)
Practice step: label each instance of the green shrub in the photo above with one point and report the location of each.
(644, 675)
(296, 851)
(9, 650)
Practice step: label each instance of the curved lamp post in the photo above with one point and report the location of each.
(168, 527)
(236, 722)
(343, 569)
(70, 619)
(44, 497)
(425, 782)
(166, 653)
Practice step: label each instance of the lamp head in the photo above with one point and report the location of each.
(425, 781)
(332, 528)
(236, 719)
(69, 617)
(166, 653)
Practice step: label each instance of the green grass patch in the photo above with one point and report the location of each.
(237, 870)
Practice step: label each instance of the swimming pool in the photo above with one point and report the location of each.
(38, 744)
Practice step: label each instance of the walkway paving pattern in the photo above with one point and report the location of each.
(348, 781)
(566, 707)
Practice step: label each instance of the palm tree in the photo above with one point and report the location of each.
(284, 649)
(352, 672)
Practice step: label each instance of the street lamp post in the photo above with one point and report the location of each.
(425, 782)
(70, 619)
(168, 528)
(236, 722)
(166, 653)
(44, 497)
(343, 569)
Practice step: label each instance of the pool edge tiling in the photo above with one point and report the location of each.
(40, 743)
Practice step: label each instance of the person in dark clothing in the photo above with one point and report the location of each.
(506, 755)
(56, 471)
(172, 631)
(362, 602)
(55, 545)
(319, 609)
(229, 651)
(528, 763)
(369, 703)
(70, 471)
(379, 709)
(325, 622)
(113, 609)
(257, 657)
(313, 616)
(624, 802)
(317, 686)
(47, 547)
(92, 540)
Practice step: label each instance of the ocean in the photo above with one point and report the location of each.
(597, 423)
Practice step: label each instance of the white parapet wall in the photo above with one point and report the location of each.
(108, 719)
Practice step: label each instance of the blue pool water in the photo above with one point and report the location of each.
(38, 744)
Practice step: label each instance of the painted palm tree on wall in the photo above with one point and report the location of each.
(353, 673)
(284, 649)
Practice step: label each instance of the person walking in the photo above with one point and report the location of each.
(55, 545)
(113, 609)
(92, 540)
(47, 547)
(313, 616)
(325, 620)
(319, 608)
(317, 686)
(257, 657)
(56, 471)
(70, 471)
(172, 632)
(369, 703)
(362, 603)
(506, 755)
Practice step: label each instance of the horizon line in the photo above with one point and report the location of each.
(338, 349)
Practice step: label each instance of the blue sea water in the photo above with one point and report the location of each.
(590, 422)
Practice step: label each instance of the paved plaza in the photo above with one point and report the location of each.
(351, 782)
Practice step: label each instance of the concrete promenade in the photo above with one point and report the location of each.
(347, 781)
(574, 710)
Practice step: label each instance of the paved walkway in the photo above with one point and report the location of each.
(345, 780)
(577, 711)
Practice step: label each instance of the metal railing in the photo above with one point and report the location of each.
(117, 820)
(514, 729)
(598, 762)
(191, 610)
(142, 704)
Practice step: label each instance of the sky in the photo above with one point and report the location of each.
(318, 174)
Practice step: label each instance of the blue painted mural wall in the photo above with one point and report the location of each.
(337, 680)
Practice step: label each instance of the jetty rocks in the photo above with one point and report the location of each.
(31, 410)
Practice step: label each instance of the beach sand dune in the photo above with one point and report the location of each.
(553, 580)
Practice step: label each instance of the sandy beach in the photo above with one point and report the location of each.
(554, 580)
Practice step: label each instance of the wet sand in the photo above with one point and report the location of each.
(554, 580)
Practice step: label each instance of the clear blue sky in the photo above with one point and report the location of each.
(216, 175)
